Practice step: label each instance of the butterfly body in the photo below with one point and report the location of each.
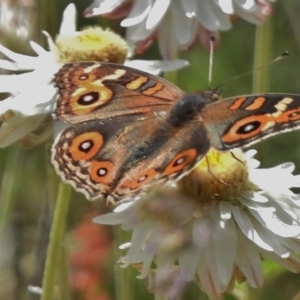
(128, 129)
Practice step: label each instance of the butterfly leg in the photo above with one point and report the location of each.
(235, 157)
(212, 174)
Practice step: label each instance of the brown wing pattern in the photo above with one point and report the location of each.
(242, 121)
(89, 90)
(123, 159)
(130, 129)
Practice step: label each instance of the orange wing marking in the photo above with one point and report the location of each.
(256, 104)
(235, 134)
(150, 91)
(237, 103)
(136, 83)
(180, 161)
(86, 145)
(100, 171)
(142, 179)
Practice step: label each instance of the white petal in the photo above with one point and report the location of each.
(225, 240)
(138, 239)
(99, 7)
(250, 153)
(226, 6)
(149, 252)
(138, 32)
(202, 232)
(274, 222)
(257, 197)
(276, 179)
(222, 18)
(249, 261)
(167, 42)
(51, 44)
(290, 205)
(37, 48)
(35, 289)
(110, 218)
(182, 26)
(252, 17)
(253, 163)
(122, 206)
(68, 24)
(209, 257)
(138, 13)
(247, 228)
(272, 240)
(156, 14)
(206, 16)
(247, 5)
(205, 277)
(8, 65)
(38, 101)
(189, 7)
(291, 263)
(256, 205)
(292, 244)
(125, 246)
(188, 261)
(157, 66)
(23, 62)
(13, 83)
(225, 210)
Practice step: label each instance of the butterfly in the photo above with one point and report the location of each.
(127, 129)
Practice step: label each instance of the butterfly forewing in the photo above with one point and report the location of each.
(241, 121)
(89, 90)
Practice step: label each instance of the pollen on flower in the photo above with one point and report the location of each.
(92, 43)
(219, 176)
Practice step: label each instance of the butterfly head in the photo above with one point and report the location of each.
(213, 95)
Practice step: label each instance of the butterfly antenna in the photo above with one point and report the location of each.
(211, 56)
(283, 55)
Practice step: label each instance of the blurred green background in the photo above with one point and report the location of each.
(28, 215)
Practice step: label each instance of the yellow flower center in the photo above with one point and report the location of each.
(220, 176)
(91, 44)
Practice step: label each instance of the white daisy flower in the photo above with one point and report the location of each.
(214, 226)
(25, 115)
(177, 23)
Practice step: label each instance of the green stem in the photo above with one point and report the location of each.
(56, 241)
(124, 281)
(8, 186)
(64, 290)
(262, 54)
(52, 178)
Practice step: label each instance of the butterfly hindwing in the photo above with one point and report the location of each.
(167, 154)
(93, 155)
